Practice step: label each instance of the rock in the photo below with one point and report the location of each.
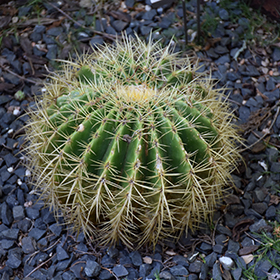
(226, 262)
(56, 229)
(105, 275)
(52, 51)
(18, 213)
(119, 25)
(136, 258)
(28, 245)
(166, 275)
(262, 267)
(236, 273)
(270, 212)
(260, 207)
(61, 253)
(223, 14)
(108, 262)
(179, 270)
(195, 266)
(211, 259)
(120, 271)
(92, 268)
(6, 214)
(217, 275)
(276, 54)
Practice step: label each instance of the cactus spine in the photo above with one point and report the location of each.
(131, 143)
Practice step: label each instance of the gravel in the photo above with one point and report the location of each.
(33, 245)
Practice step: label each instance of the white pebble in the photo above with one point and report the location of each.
(226, 262)
(10, 169)
(27, 173)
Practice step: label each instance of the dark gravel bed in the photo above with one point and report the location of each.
(33, 245)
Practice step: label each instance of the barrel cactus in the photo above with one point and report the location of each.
(131, 143)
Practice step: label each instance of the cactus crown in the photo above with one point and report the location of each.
(131, 143)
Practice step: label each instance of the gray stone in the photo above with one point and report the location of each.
(6, 244)
(68, 275)
(55, 31)
(145, 30)
(258, 226)
(203, 271)
(14, 258)
(272, 154)
(6, 214)
(28, 245)
(77, 267)
(119, 25)
(262, 267)
(179, 270)
(259, 195)
(144, 270)
(195, 266)
(260, 207)
(217, 275)
(218, 248)
(276, 54)
(18, 213)
(105, 275)
(149, 15)
(52, 51)
(236, 273)
(211, 259)
(136, 258)
(120, 270)
(56, 229)
(92, 268)
(166, 275)
(32, 213)
(233, 246)
(223, 14)
(270, 212)
(107, 261)
(113, 252)
(61, 253)
(10, 234)
(36, 233)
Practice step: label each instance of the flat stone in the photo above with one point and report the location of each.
(56, 229)
(28, 245)
(136, 258)
(217, 275)
(18, 213)
(276, 54)
(119, 25)
(236, 273)
(36, 233)
(92, 268)
(270, 212)
(32, 213)
(260, 207)
(6, 214)
(61, 253)
(223, 14)
(211, 259)
(10, 234)
(120, 270)
(105, 275)
(262, 267)
(195, 266)
(144, 270)
(77, 268)
(179, 270)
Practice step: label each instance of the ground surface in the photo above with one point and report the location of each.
(239, 46)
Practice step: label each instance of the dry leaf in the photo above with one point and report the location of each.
(247, 258)
(274, 199)
(147, 260)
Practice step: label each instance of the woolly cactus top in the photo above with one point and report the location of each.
(132, 143)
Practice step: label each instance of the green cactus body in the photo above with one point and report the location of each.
(132, 144)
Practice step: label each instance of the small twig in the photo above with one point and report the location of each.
(270, 127)
(40, 265)
(16, 75)
(106, 35)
